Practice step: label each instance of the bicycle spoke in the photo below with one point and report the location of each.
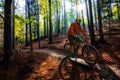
(90, 54)
(65, 68)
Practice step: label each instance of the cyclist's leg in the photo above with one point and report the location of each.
(77, 47)
(71, 40)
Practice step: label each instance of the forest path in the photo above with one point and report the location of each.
(56, 50)
(114, 72)
(109, 52)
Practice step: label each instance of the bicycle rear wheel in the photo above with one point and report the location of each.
(90, 54)
(65, 68)
(67, 49)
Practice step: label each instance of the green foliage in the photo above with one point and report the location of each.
(20, 22)
(19, 29)
(114, 10)
(2, 2)
(20, 18)
(108, 10)
(24, 20)
(1, 5)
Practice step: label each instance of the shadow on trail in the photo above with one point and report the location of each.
(77, 71)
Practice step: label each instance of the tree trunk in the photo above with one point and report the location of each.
(118, 9)
(91, 29)
(111, 14)
(38, 31)
(7, 33)
(44, 18)
(44, 24)
(71, 12)
(91, 24)
(29, 17)
(65, 28)
(95, 14)
(50, 23)
(47, 20)
(76, 3)
(47, 25)
(88, 17)
(26, 25)
(13, 24)
(100, 22)
(83, 20)
(58, 18)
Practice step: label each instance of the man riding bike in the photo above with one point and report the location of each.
(75, 27)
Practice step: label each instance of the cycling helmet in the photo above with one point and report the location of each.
(78, 19)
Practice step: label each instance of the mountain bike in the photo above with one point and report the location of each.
(88, 52)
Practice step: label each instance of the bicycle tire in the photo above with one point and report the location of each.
(65, 67)
(89, 53)
(67, 49)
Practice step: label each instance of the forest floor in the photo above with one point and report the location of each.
(43, 64)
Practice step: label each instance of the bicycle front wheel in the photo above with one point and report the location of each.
(90, 54)
(65, 68)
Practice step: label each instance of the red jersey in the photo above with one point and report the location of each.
(74, 28)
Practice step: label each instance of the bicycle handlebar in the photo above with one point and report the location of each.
(82, 38)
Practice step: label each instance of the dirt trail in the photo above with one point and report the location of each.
(42, 64)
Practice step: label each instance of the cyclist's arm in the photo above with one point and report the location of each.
(85, 34)
(83, 31)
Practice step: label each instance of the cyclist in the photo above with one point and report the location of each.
(75, 27)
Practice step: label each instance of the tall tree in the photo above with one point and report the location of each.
(58, 16)
(7, 32)
(50, 23)
(71, 11)
(47, 23)
(38, 31)
(110, 7)
(13, 23)
(76, 3)
(91, 24)
(95, 14)
(44, 16)
(26, 26)
(65, 22)
(83, 20)
(82, 14)
(88, 16)
(47, 19)
(117, 10)
(30, 27)
(100, 22)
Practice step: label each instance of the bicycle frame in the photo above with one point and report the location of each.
(80, 42)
